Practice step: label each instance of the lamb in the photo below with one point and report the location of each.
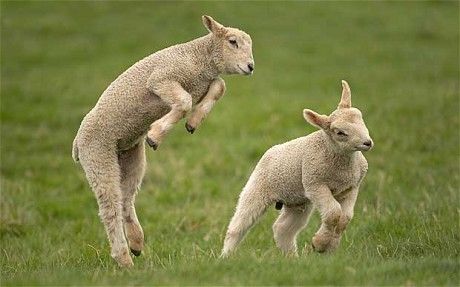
(322, 170)
(160, 89)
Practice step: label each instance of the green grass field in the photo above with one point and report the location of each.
(401, 60)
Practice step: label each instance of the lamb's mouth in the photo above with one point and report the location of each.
(244, 71)
(363, 147)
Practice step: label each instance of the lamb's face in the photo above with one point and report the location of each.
(345, 126)
(234, 48)
(237, 52)
(348, 130)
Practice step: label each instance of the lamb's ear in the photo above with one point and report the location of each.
(317, 120)
(212, 25)
(345, 101)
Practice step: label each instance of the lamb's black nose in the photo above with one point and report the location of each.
(368, 143)
(251, 67)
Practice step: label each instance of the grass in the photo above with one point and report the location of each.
(401, 60)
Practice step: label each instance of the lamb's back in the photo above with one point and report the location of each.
(279, 171)
(127, 108)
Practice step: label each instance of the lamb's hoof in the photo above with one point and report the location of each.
(278, 205)
(189, 128)
(136, 252)
(320, 243)
(151, 143)
(315, 249)
(325, 244)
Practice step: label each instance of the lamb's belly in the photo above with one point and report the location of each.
(196, 98)
(137, 124)
(132, 139)
(290, 192)
(198, 92)
(295, 198)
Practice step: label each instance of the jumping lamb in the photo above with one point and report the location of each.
(143, 104)
(322, 170)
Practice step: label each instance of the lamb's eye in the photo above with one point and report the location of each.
(233, 42)
(341, 133)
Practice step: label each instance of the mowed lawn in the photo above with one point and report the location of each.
(401, 60)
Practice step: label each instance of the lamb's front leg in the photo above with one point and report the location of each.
(180, 102)
(326, 238)
(215, 92)
(347, 202)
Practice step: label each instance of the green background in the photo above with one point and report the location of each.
(401, 60)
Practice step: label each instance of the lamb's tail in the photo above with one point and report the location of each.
(75, 150)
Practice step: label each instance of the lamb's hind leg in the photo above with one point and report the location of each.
(132, 164)
(251, 205)
(103, 174)
(289, 223)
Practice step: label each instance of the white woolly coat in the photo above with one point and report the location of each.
(127, 108)
(289, 172)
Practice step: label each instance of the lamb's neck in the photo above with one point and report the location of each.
(206, 53)
(336, 154)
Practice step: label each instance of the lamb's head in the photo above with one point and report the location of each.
(345, 126)
(233, 48)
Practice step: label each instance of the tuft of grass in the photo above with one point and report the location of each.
(401, 60)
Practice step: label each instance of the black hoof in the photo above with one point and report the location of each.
(189, 128)
(136, 252)
(312, 246)
(314, 249)
(151, 143)
(278, 205)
